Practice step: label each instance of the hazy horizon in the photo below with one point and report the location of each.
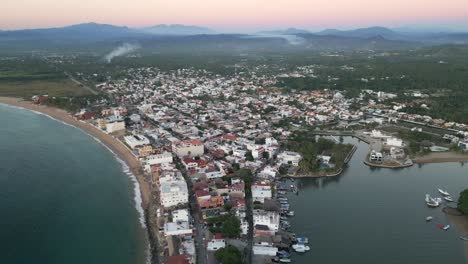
(240, 15)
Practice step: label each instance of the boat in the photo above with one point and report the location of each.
(444, 227)
(429, 218)
(463, 238)
(283, 202)
(428, 198)
(283, 218)
(281, 192)
(302, 239)
(433, 204)
(443, 192)
(300, 247)
(282, 199)
(285, 260)
(448, 198)
(290, 213)
(283, 253)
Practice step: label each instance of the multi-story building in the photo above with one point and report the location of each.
(192, 148)
(267, 218)
(261, 191)
(173, 190)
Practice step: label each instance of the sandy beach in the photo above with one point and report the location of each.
(114, 144)
(438, 157)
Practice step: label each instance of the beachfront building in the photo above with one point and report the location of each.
(162, 158)
(177, 229)
(134, 141)
(173, 190)
(192, 148)
(114, 125)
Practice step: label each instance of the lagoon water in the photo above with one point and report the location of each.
(378, 215)
(64, 198)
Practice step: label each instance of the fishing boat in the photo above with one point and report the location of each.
(300, 247)
(290, 213)
(283, 218)
(282, 199)
(285, 260)
(429, 218)
(283, 202)
(281, 192)
(448, 198)
(463, 238)
(443, 192)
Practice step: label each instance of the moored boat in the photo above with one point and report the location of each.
(445, 193)
(429, 218)
(448, 198)
(285, 260)
(300, 247)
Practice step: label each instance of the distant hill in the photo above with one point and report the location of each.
(86, 31)
(288, 31)
(362, 32)
(180, 30)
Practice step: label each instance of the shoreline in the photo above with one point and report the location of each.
(440, 157)
(115, 146)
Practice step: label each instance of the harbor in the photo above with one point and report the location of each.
(380, 211)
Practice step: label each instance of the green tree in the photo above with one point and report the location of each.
(229, 255)
(231, 227)
(248, 156)
(463, 202)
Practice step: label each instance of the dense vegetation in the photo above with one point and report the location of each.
(229, 255)
(463, 202)
(310, 149)
(228, 225)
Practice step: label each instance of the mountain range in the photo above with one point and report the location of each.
(184, 36)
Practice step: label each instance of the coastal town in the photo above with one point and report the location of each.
(215, 151)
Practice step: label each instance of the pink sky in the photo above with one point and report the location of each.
(234, 14)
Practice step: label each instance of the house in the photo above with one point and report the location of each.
(181, 215)
(216, 243)
(268, 219)
(261, 191)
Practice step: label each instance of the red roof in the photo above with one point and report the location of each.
(201, 193)
(218, 236)
(178, 259)
(230, 137)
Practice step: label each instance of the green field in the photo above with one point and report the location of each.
(25, 77)
(54, 87)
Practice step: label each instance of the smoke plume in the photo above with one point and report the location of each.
(120, 51)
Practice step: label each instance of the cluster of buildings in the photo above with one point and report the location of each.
(192, 130)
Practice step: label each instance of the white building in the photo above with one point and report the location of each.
(215, 244)
(261, 191)
(177, 229)
(378, 134)
(394, 142)
(136, 140)
(115, 126)
(267, 218)
(165, 157)
(192, 148)
(181, 215)
(289, 157)
(173, 190)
